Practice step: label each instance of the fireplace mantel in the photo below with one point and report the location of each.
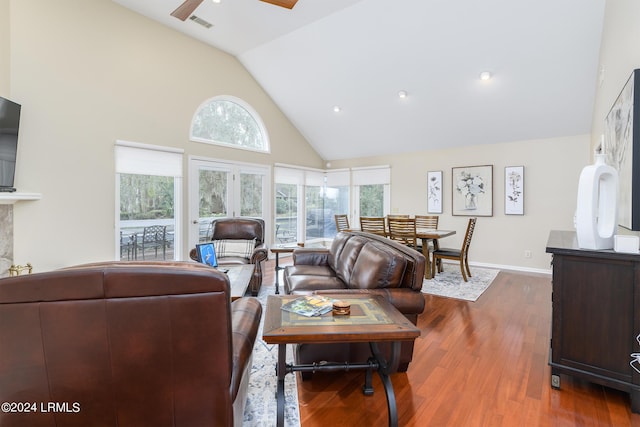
(11, 198)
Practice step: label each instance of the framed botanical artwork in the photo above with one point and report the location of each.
(472, 190)
(514, 190)
(434, 192)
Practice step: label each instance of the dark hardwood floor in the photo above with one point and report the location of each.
(475, 364)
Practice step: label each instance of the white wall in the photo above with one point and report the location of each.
(88, 73)
(551, 169)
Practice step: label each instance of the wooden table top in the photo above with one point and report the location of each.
(373, 319)
(430, 233)
(239, 278)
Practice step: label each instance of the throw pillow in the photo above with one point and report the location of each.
(234, 248)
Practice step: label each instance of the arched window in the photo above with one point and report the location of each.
(229, 121)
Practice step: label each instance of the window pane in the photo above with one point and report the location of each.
(371, 200)
(251, 195)
(337, 202)
(213, 193)
(224, 121)
(318, 218)
(286, 213)
(146, 201)
(212, 199)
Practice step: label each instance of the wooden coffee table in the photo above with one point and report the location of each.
(373, 319)
(239, 278)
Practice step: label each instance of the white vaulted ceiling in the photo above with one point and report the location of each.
(358, 55)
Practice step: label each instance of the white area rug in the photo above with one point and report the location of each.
(450, 284)
(261, 406)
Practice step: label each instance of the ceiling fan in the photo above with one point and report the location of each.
(187, 8)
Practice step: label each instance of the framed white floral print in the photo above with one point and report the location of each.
(514, 190)
(472, 190)
(434, 192)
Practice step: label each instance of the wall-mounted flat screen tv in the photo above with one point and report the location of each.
(9, 125)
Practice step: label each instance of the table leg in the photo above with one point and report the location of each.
(384, 370)
(277, 269)
(427, 264)
(436, 246)
(281, 370)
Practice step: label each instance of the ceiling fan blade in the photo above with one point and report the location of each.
(284, 3)
(186, 9)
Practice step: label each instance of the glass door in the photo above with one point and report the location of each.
(220, 189)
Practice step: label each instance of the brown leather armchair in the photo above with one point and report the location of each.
(127, 344)
(241, 228)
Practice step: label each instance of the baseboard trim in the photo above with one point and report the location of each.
(506, 267)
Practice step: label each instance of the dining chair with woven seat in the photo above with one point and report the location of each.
(373, 225)
(461, 255)
(342, 222)
(403, 230)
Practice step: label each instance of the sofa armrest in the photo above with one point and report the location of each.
(311, 256)
(245, 320)
(260, 253)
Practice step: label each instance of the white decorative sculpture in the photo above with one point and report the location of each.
(596, 213)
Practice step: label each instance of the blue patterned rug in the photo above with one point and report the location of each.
(260, 408)
(450, 284)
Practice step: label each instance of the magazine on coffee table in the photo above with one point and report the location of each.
(309, 305)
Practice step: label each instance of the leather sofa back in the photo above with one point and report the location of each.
(367, 261)
(238, 228)
(126, 345)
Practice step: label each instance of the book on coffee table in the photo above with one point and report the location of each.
(309, 305)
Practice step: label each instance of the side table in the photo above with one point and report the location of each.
(282, 249)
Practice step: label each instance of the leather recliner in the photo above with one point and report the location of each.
(241, 228)
(125, 344)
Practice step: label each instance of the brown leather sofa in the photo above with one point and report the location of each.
(364, 263)
(241, 228)
(125, 344)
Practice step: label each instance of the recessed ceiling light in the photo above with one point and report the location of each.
(216, 1)
(485, 75)
(402, 94)
(336, 109)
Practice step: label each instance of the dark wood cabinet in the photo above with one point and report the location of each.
(596, 315)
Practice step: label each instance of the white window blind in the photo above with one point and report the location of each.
(314, 179)
(288, 176)
(143, 159)
(338, 178)
(372, 176)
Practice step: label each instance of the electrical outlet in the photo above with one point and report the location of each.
(527, 253)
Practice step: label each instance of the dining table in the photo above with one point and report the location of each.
(426, 234)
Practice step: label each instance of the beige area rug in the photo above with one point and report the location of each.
(261, 406)
(450, 284)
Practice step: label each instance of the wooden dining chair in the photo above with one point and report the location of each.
(373, 225)
(461, 255)
(403, 230)
(342, 222)
(429, 222)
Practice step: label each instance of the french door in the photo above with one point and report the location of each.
(219, 189)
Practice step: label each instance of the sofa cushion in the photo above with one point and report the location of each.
(234, 248)
(336, 248)
(303, 284)
(346, 259)
(310, 270)
(377, 266)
